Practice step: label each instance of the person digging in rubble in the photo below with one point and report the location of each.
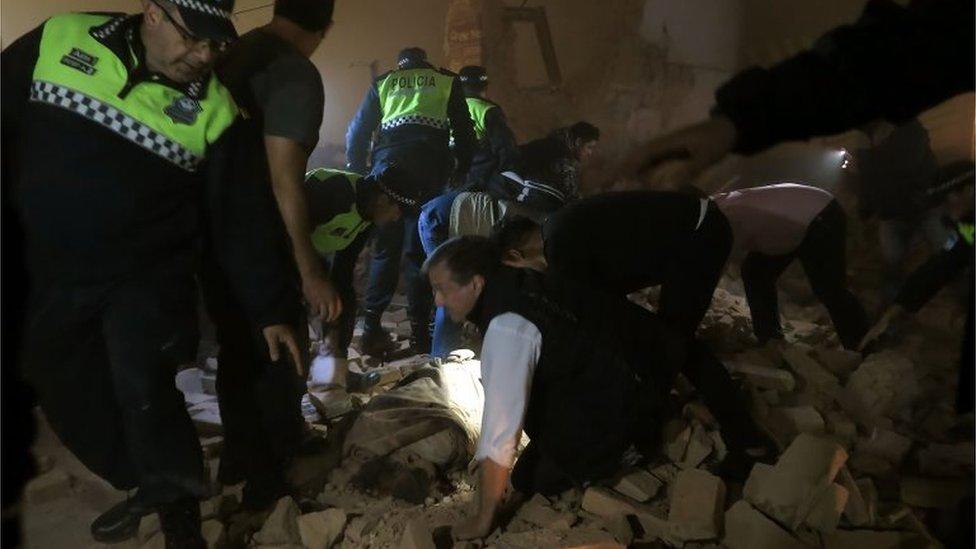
(584, 373)
(622, 242)
(344, 209)
(145, 139)
(776, 224)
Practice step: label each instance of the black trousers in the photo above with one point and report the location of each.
(260, 400)
(691, 276)
(824, 258)
(102, 359)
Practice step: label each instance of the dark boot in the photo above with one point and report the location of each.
(120, 522)
(180, 523)
(375, 342)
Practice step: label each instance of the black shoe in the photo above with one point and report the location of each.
(121, 522)
(261, 492)
(376, 343)
(180, 523)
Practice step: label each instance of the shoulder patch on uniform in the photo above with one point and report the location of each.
(80, 61)
(183, 110)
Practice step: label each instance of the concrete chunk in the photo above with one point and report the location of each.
(281, 527)
(639, 485)
(607, 503)
(696, 506)
(700, 446)
(812, 458)
(765, 377)
(891, 446)
(860, 509)
(799, 419)
(947, 459)
(839, 362)
(747, 528)
(213, 533)
(884, 386)
(321, 530)
(809, 369)
(537, 511)
(417, 535)
(777, 494)
(933, 493)
(826, 508)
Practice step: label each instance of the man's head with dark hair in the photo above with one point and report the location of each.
(385, 195)
(302, 23)
(474, 79)
(311, 15)
(581, 138)
(520, 241)
(458, 270)
(411, 56)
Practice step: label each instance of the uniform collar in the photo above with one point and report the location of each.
(121, 35)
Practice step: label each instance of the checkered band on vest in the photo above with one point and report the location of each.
(104, 31)
(203, 7)
(116, 121)
(415, 119)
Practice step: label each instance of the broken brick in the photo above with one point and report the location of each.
(696, 505)
(417, 535)
(859, 510)
(700, 446)
(799, 419)
(947, 459)
(817, 459)
(826, 508)
(934, 493)
(606, 503)
(281, 526)
(891, 446)
(765, 377)
(537, 511)
(213, 533)
(809, 369)
(747, 528)
(321, 530)
(639, 485)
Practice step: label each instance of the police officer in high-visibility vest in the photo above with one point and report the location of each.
(497, 150)
(416, 108)
(119, 143)
(344, 208)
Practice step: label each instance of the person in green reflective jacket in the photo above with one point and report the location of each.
(343, 208)
(497, 150)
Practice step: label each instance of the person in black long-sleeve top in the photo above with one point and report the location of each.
(497, 150)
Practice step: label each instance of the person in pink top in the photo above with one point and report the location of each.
(776, 224)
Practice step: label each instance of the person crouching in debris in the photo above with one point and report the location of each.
(583, 373)
(776, 224)
(344, 207)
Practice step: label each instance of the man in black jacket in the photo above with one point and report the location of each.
(145, 137)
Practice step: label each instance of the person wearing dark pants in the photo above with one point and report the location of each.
(777, 224)
(627, 241)
(416, 109)
(581, 371)
(147, 142)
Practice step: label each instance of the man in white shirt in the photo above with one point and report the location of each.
(583, 373)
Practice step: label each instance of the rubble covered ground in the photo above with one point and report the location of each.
(872, 456)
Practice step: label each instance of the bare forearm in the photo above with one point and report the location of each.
(494, 481)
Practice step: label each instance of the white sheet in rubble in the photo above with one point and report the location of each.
(190, 380)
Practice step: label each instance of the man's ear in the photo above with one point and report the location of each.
(512, 256)
(151, 12)
(478, 282)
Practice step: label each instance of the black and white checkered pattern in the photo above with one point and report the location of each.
(115, 120)
(415, 119)
(105, 30)
(203, 7)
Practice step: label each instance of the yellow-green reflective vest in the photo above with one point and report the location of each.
(415, 96)
(76, 72)
(967, 231)
(478, 108)
(340, 231)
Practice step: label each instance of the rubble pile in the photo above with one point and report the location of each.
(868, 458)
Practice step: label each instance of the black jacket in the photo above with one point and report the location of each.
(97, 208)
(604, 368)
(893, 63)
